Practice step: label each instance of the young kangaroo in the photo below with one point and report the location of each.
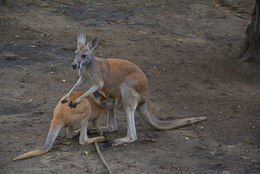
(64, 116)
(122, 80)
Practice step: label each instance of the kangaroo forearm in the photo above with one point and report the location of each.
(79, 82)
(90, 91)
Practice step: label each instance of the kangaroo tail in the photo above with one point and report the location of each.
(52, 135)
(143, 110)
(30, 154)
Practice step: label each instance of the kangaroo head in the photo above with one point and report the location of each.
(84, 53)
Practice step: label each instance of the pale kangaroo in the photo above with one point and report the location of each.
(122, 80)
(64, 116)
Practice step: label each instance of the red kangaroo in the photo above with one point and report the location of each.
(65, 116)
(122, 80)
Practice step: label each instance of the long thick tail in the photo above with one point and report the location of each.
(52, 135)
(143, 110)
(30, 154)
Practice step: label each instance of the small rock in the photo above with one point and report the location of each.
(226, 172)
(213, 152)
(244, 157)
(151, 135)
(86, 153)
(200, 127)
(99, 4)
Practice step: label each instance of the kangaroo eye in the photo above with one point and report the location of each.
(83, 56)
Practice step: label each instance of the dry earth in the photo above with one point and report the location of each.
(188, 50)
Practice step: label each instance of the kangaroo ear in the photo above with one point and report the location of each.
(81, 38)
(93, 44)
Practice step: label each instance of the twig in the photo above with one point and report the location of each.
(102, 158)
(61, 2)
(18, 66)
(62, 11)
(240, 16)
(196, 130)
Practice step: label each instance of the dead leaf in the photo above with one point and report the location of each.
(86, 153)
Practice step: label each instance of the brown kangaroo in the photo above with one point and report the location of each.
(64, 116)
(122, 80)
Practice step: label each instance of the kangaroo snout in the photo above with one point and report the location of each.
(74, 66)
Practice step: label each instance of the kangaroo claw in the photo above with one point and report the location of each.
(64, 101)
(73, 104)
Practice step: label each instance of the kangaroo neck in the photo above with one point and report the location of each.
(93, 61)
(94, 70)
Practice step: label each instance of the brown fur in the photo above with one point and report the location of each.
(125, 82)
(117, 71)
(69, 116)
(65, 116)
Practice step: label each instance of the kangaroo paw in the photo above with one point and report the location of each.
(73, 104)
(64, 101)
(107, 143)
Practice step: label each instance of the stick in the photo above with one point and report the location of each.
(239, 15)
(65, 3)
(62, 11)
(102, 158)
(18, 66)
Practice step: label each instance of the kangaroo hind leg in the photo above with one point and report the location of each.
(70, 132)
(83, 137)
(111, 122)
(130, 100)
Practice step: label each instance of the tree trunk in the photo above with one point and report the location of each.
(251, 48)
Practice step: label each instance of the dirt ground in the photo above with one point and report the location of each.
(188, 50)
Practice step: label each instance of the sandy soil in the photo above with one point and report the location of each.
(188, 50)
